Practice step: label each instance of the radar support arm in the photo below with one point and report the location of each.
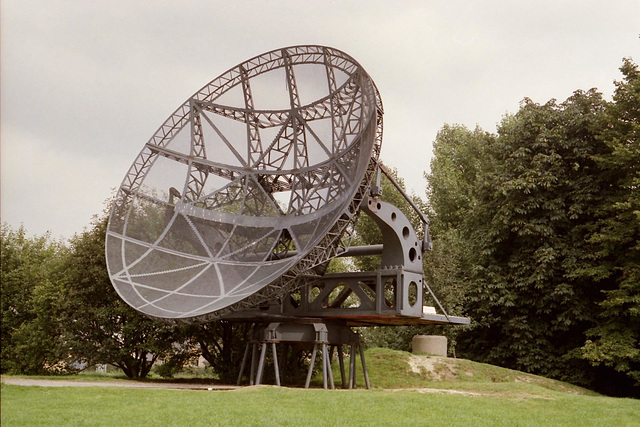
(426, 240)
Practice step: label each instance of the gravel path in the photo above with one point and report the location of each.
(187, 386)
(128, 384)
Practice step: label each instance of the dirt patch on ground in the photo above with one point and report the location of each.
(442, 391)
(420, 364)
(473, 393)
(433, 367)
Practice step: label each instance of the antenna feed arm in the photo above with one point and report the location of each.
(427, 245)
(376, 191)
(409, 200)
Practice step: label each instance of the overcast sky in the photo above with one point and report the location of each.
(86, 83)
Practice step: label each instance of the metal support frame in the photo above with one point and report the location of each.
(323, 336)
(392, 295)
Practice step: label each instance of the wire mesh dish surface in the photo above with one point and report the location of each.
(248, 186)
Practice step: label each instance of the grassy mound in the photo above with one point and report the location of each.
(393, 369)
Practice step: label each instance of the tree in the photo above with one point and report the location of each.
(615, 340)
(101, 328)
(540, 227)
(535, 203)
(29, 284)
(222, 344)
(536, 233)
(460, 160)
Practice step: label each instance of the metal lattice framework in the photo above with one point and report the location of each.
(249, 188)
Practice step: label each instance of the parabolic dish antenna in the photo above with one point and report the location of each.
(247, 187)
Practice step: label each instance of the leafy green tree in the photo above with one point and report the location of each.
(535, 201)
(615, 340)
(222, 344)
(536, 233)
(460, 159)
(101, 328)
(29, 284)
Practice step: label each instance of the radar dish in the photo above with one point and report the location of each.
(247, 187)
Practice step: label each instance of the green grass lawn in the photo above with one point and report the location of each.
(485, 395)
(268, 405)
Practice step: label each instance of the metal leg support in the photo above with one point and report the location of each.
(324, 366)
(364, 369)
(341, 362)
(254, 356)
(352, 367)
(326, 360)
(313, 361)
(329, 336)
(275, 363)
(263, 351)
(244, 363)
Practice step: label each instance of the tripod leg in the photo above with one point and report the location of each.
(263, 350)
(254, 357)
(313, 361)
(352, 367)
(327, 364)
(275, 363)
(341, 362)
(244, 362)
(364, 369)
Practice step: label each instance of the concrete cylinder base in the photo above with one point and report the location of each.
(430, 344)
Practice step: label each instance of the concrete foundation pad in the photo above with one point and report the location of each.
(429, 344)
